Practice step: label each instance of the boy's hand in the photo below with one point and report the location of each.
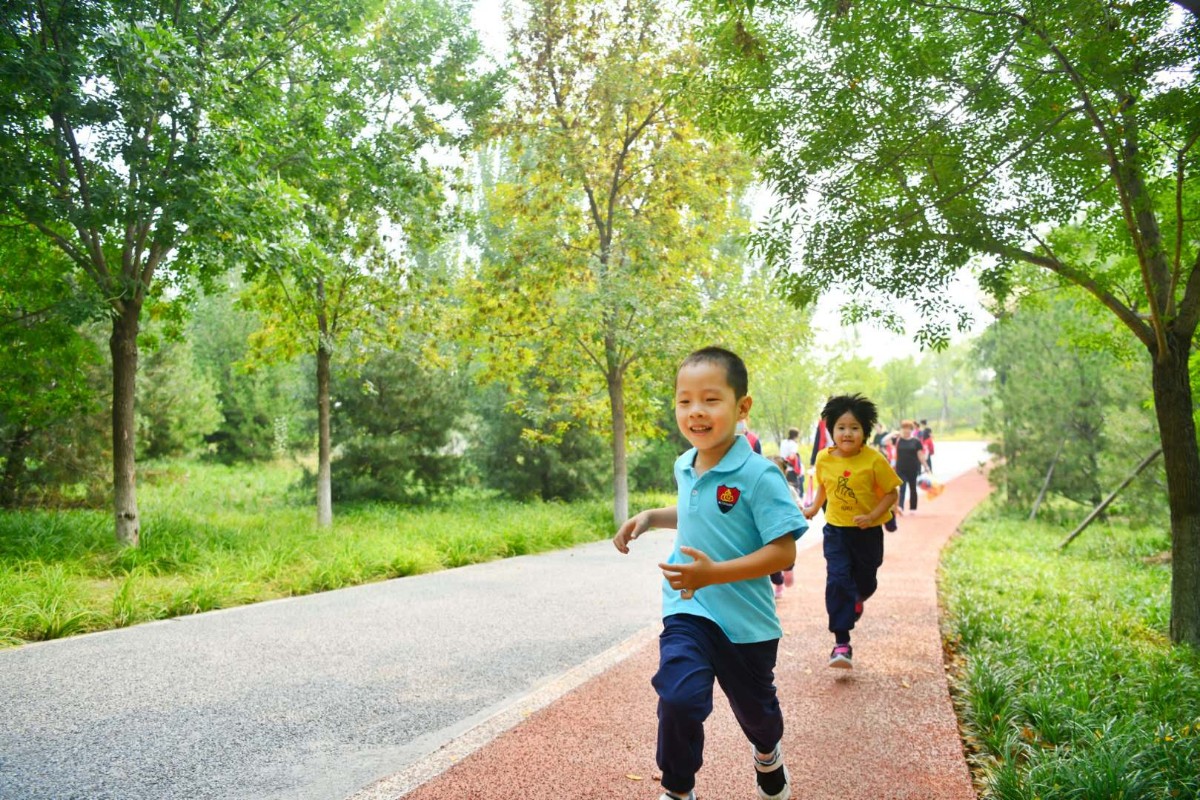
(687, 578)
(809, 511)
(631, 529)
(864, 520)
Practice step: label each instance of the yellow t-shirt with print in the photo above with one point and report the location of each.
(854, 485)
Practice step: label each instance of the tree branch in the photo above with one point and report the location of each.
(939, 202)
(600, 365)
(288, 36)
(1147, 238)
(73, 252)
(1177, 262)
(90, 237)
(1189, 309)
(1082, 280)
(224, 20)
(976, 11)
(1117, 167)
(20, 318)
(158, 250)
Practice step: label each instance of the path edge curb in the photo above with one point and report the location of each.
(400, 784)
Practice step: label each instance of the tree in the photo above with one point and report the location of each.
(46, 360)
(1060, 397)
(396, 418)
(176, 402)
(263, 414)
(610, 220)
(109, 149)
(914, 138)
(902, 380)
(536, 454)
(355, 194)
(785, 392)
(946, 370)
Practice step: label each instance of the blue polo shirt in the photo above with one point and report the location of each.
(731, 511)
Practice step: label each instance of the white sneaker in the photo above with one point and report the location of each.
(668, 796)
(775, 763)
(784, 794)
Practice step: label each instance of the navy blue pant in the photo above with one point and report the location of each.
(852, 559)
(692, 652)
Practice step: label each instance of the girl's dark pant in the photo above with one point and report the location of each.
(692, 652)
(852, 559)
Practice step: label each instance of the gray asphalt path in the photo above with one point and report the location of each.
(314, 698)
(310, 697)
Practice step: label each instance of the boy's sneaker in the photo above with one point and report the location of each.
(841, 657)
(774, 783)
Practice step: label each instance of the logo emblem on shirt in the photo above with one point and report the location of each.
(727, 497)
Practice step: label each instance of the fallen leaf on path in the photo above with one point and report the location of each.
(633, 777)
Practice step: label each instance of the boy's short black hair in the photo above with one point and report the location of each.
(863, 410)
(793, 433)
(735, 368)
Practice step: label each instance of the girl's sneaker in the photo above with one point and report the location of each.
(789, 578)
(778, 592)
(841, 657)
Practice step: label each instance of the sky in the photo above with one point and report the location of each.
(488, 19)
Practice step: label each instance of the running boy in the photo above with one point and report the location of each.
(737, 523)
(860, 487)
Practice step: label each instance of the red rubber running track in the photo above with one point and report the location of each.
(883, 731)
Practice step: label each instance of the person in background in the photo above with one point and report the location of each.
(820, 442)
(910, 458)
(789, 451)
(736, 523)
(880, 440)
(743, 428)
(927, 443)
(785, 577)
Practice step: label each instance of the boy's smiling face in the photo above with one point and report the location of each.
(707, 410)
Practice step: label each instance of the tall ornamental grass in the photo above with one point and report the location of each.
(215, 536)
(1064, 680)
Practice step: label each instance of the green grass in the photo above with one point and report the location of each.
(958, 435)
(1064, 680)
(214, 537)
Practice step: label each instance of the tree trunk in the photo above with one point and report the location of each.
(1173, 405)
(616, 399)
(324, 449)
(14, 468)
(124, 348)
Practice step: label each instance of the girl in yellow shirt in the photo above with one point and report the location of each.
(859, 487)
